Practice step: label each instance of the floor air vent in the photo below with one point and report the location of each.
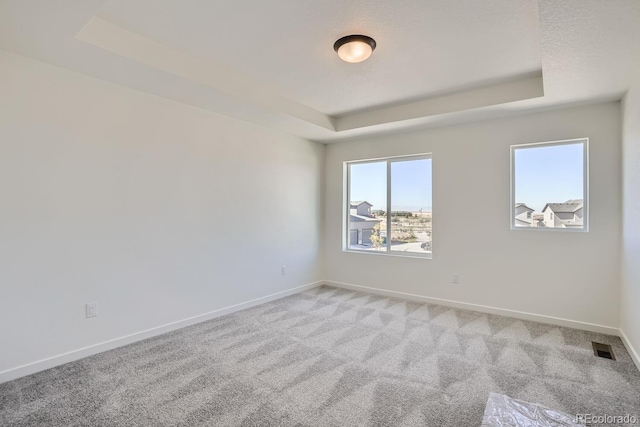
(603, 350)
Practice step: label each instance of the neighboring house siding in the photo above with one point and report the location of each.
(523, 215)
(559, 216)
(556, 221)
(364, 225)
(364, 230)
(556, 215)
(548, 218)
(522, 218)
(565, 215)
(366, 236)
(364, 209)
(361, 223)
(521, 210)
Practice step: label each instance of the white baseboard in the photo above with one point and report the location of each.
(41, 365)
(50, 362)
(484, 309)
(630, 349)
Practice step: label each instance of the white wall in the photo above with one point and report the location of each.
(572, 276)
(160, 212)
(630, 297)
(155, 210)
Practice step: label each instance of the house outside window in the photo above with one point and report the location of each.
(550, 185)
(389, 206)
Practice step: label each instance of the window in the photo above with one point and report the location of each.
(549, 185)
(389, 206)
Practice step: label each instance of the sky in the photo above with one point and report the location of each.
(410, 184)
(548, 174)
(543, 174)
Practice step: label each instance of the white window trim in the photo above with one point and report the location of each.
(347, 202)
(585, 228)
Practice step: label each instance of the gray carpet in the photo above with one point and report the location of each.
(330, 357)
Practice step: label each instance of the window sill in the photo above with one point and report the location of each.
(551, 229)
(397, 254)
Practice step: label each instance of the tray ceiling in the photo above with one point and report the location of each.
(272, 63)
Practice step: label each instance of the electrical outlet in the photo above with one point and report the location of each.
(283, 270)
(92, 309)
(455, 278)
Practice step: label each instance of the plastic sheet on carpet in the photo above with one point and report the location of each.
(503, 411)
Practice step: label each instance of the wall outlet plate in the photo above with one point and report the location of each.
(455, 278)
(92, 309)
(283, 270)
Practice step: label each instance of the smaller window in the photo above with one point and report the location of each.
(549, 185)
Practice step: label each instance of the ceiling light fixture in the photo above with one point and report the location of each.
(354, 48)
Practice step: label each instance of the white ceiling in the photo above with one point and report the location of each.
(437, 61)
(288, 44)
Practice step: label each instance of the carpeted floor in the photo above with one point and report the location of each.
(330, 357)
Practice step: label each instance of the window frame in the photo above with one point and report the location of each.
(347, 204)
(585, 185)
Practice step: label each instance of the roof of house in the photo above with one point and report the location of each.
(358, 203)
(362, 218)
(523, 205)
(569, 206)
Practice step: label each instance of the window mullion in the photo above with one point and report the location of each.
(388, 206)
(348, 216)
